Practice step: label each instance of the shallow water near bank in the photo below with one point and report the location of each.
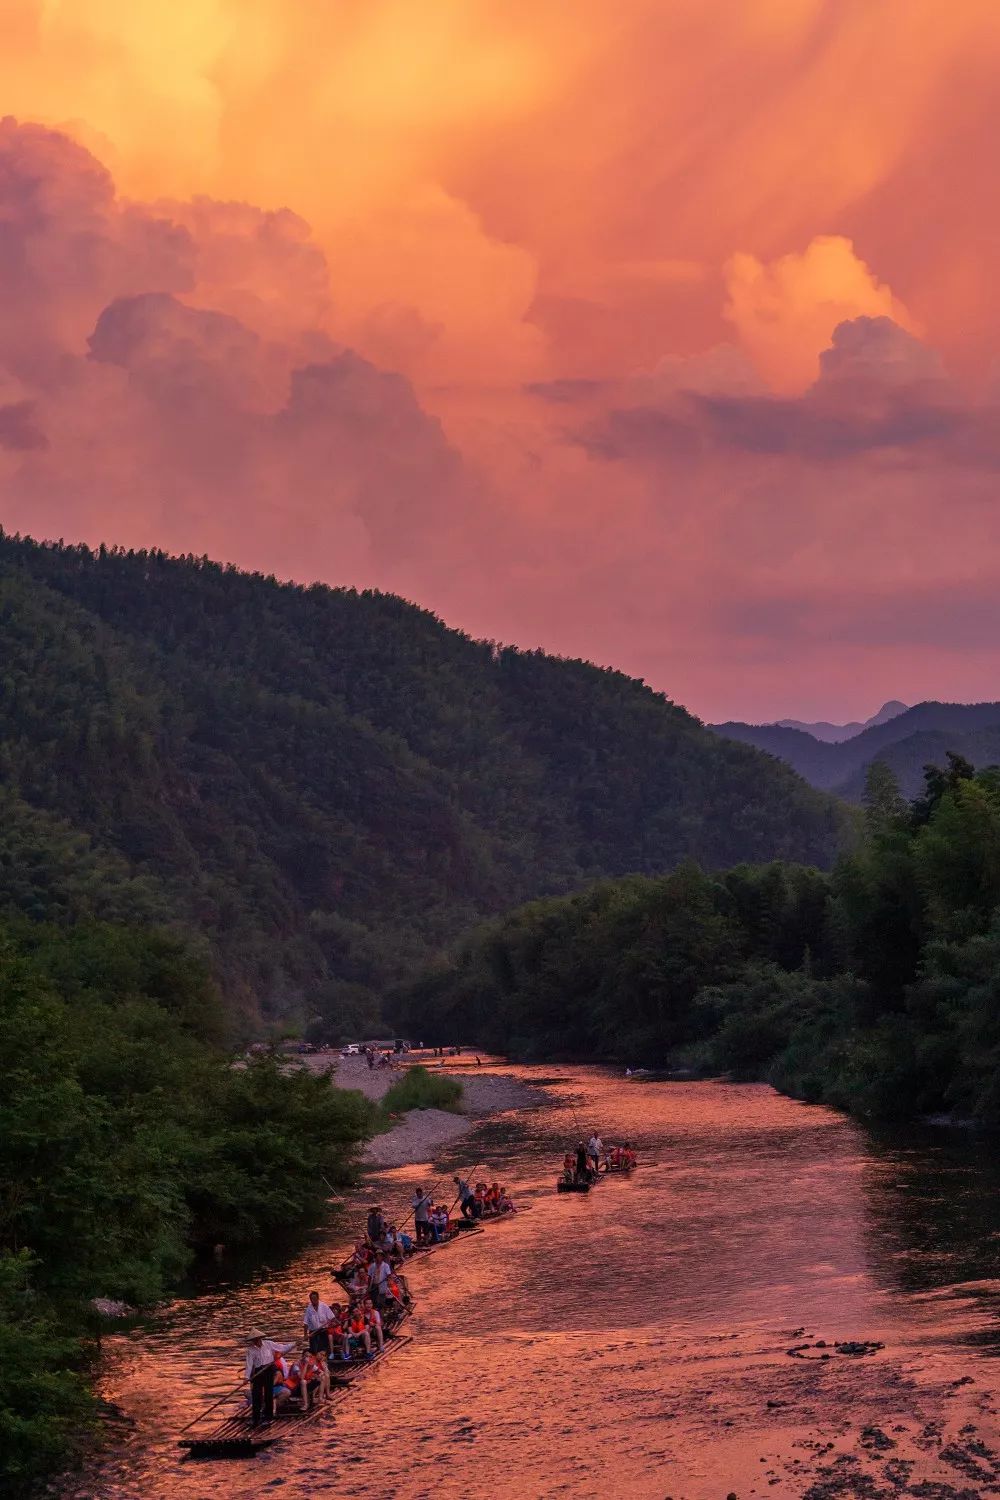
(634, 1340)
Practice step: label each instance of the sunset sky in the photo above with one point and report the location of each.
(660, 332)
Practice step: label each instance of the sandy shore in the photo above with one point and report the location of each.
(421, 1133)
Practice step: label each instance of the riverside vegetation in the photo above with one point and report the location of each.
(131, 1143)
(874, 988)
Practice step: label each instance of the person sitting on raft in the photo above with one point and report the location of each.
(315, 1379)
(358, 1337)
(361, 1255)
(373, 1322)
(338, 1332)
(358, 1284)
(394, 1295)
(504, 1203)
(440, 1222)
(397, 1244)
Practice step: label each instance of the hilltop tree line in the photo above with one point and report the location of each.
(874, 987)
(324, 786)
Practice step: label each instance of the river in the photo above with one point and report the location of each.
(634, 1341)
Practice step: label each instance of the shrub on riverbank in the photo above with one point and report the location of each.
(421, 1089)
(130, 1143)
(875, 988)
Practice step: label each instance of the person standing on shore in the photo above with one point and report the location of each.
(422, 1215)
(261, 1354)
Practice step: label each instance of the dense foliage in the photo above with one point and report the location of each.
(326, 786)
(905, 742)
(875, 988)
(419, 1088)
(130, 1141)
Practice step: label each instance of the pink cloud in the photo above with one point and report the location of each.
(168, 377)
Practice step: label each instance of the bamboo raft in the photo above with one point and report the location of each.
(236, 1437)
(562, 1186)
(458, 1230)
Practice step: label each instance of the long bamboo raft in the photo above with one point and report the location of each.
(236, 1437)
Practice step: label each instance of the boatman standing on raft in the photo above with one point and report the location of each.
(260, 1373)
(582, 1174)
(316, 1322)
(422, 1215)
(467, 1197)
(594, 1148)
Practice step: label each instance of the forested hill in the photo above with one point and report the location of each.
(327, 785)
(873, 988)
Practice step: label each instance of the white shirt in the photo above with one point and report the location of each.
(420, 1205)
(316, 1317)
(262, 1354)
(595, 1144)
(379, 1272)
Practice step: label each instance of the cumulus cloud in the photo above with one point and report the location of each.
(639, 266)
(129, 409)
(786, 311)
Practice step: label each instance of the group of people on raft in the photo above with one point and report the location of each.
(378, 1298)
(334, 1333)
(587, 1161)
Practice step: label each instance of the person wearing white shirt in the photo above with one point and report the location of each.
(422, 1215)
(316, 1321)
(378, 1274)
(260, 1373)
(594, 1148)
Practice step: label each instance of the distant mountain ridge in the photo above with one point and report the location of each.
(834, 734)
(906, 742)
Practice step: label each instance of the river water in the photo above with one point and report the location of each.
(629, 1341)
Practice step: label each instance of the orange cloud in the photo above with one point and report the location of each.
(784, 313)
(611, 248)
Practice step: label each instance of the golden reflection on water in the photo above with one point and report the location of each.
(626, 1342)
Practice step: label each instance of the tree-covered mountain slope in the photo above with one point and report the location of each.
(873, 988)
(906, 742)
(908, 758)
(327, 785)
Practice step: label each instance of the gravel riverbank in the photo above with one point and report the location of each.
(421, 1133)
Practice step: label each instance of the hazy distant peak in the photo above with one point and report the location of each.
(835, 734)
